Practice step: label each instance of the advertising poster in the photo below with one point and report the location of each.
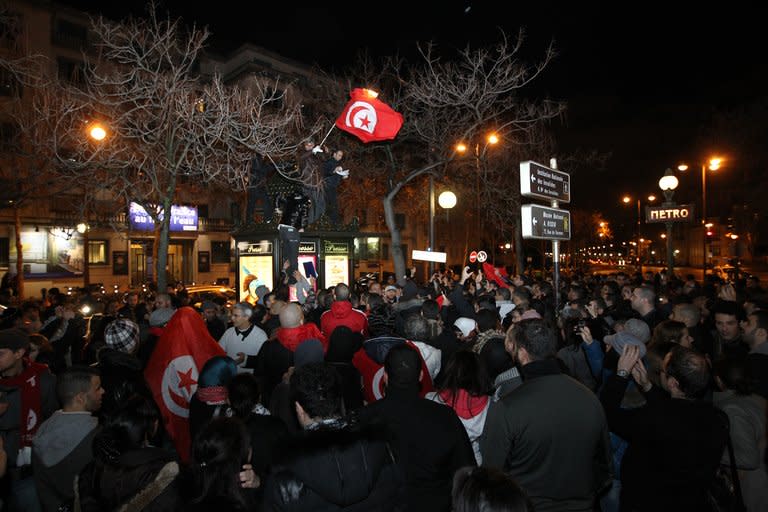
(254, 271)
(336, 269)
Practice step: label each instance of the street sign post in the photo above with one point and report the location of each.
(543, 223)
(542, 182)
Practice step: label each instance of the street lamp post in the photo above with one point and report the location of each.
(712, 164)
(668, 183)
(446, 200)
(491, 140)
(627, 200)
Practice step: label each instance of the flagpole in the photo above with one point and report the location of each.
(327, 134)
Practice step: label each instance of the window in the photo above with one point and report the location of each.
(71, 70)
(70, 35)
(400, 221)
(367, 248)
(9, 85)
(10, 30)
(97, 252)
(5, 252)
(9, 135)
(220, 252)
(202, 211)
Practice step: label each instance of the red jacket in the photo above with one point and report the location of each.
(290, 337)
(342, 313)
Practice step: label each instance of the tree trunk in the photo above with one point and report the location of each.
(19, 254)
(394, 233)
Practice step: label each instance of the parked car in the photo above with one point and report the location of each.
(222, 295)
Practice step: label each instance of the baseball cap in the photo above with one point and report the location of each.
(390, 288)
(465, 325)
(122, 335)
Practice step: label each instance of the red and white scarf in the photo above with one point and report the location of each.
(28, 383)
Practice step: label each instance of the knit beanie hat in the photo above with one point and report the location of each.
(122, 335)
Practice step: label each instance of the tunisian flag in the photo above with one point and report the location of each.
(172, 372)
(369, 119)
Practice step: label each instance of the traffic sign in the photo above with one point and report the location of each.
(473, 256)
(545, 223)
(540, 181)
(482, 256)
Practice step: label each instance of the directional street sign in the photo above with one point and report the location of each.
(545, 223)
(539, 181)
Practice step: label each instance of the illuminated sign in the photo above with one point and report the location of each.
(307, 248)
(335, 247)
(260, 247)
(675, 213)
(437, 257)
(183, 218)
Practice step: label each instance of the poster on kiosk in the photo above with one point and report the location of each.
(336, 262)
(307, 266)
(255, 268)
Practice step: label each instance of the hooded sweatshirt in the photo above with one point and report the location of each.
(61, 448)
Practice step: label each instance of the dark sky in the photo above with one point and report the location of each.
(641, 79)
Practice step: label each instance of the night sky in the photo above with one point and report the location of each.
(642, 79)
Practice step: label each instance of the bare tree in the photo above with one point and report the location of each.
(447, 100)
(165, 127)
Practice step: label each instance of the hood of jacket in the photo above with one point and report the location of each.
(341, 308)
(290, 337)
(61, 433)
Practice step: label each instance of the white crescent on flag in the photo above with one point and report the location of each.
(179, 384)
(361, 116)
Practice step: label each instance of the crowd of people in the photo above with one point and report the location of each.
(472, 391)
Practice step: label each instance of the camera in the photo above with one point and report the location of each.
(579, 325)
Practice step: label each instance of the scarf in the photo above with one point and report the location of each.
(28, 384)
(465, 405)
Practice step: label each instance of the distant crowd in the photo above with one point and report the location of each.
(472, 391)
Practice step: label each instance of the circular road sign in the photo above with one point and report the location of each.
(473, 256)
(482, 256)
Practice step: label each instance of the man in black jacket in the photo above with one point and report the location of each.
(550, 433)
(675, 444)
(429, 440)
(335, 465)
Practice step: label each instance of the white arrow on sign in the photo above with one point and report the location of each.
(533, 179)
(534, 221)
(482, 256)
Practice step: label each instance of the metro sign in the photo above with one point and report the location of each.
(674, 213)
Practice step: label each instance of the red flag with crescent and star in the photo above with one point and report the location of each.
(172, 372)
(369, 119)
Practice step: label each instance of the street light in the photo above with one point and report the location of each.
(712, 164)
(446, 200)
(668, 183)
(627, 200)
(490, 140)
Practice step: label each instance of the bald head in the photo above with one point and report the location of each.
(291, 316)
(687, 313)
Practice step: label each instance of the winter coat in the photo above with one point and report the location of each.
(138, 480)
(61, 448)
(430, 444)
(342, 313)
(290, 337)
(336, 467)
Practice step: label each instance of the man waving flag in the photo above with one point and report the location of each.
(369, 119)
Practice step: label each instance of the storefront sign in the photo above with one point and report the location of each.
(260, 247)
(183, 218)
(307, 247)
(335, 247)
